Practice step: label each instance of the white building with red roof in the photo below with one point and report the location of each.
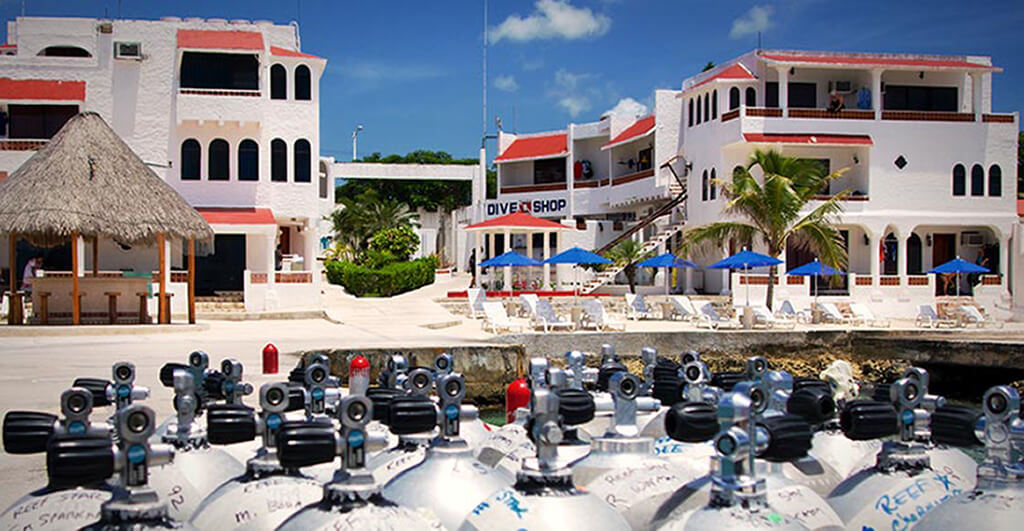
(227, 112)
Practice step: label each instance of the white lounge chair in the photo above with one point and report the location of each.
(863, 315)
(636, 307)
(972, 315)
(528, 304)
(787, 311)
(682, 306)
(3, 304)
(544, 316)
(830, 313)
(476, 298)
(763, 316)
(708, 316)
(597, 317)
(496, 320)
(928, 317)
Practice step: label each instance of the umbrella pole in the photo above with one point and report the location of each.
(668, 279)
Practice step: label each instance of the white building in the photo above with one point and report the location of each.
(226, 112)
(929, 167)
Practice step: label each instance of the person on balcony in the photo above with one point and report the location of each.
(835, 103)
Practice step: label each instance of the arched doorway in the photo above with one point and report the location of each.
(914, 262)
(890, 253)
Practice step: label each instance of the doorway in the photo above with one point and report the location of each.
(914, 255)
(943, 250)
(223, 270)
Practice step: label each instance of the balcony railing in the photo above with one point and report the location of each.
(998, 118)
(590, 183)
(864, 114)
(623, 179)
(220, 92)
(928, 116)
(22, 144)
(527, 188)
(826, 197)
(730, 115)
(764, 112)
(845, 114)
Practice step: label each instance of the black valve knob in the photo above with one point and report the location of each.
(26, 432)
(954, 425)
(230, 424)
(98, 388)
(78, 460)
(880, 392)
(727, 380)
(605, 372)
(296, 399)
(667, 386)
(789, 438)
(863, 420)
(302, 444)
(167, 373)
(381, 398)
(213, 383)
(297, 376)
(802, 383)
(692, 422)
(411, 414)
(576, 406)
(813, 403)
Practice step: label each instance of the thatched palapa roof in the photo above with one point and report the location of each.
(87, 179)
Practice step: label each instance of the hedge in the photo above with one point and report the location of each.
(392, 279)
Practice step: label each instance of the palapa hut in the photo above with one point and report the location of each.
(87, 184)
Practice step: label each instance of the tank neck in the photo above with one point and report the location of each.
(351, 488)
(623, 445)
(899, 455)
(545, 482)
(134, 505)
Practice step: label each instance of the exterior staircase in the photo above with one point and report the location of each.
(609, 274)
(222, 302)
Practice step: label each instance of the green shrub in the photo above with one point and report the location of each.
(374, 259)
(392, 279)
(399, 241)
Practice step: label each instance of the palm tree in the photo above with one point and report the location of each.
(625, 255)
(359, 218)
(774, 211)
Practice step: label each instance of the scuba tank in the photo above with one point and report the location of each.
(997, 502)
(135, 505)
(544, 495)
(448, 481)
(686, 384)
(78, 462)
(647, 407)
(843, 454)
(352, 500)
(622, 469)
(471, 428)
(909, 477)
(410, 415)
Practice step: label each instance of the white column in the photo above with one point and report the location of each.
(1004, 261)
(976, 96)
(725, 276)
(547, 254)
(876, 93)
(569, 176)
(874, 254)
(784, 90)
(901, 257)
(271, 261)
(508, 270)
(689, 282)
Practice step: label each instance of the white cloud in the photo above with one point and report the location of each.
(552, 19)
(373, 71)
(506, 83)
(574, 105)
(757, 19)
(571, 91)
(627, 107)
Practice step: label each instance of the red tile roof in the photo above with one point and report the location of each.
(787, 138)
(535, 147)
(736, 71)
(41, 89)
(875, 60)
(518, 220)
(284, 52)
(237, 216)
(220, 39)
(639, 128)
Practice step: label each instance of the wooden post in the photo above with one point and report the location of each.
(96, 256)
(14, 315)
(161, 310)
(191, 281)
(76, 302)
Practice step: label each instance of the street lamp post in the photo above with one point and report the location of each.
(355, 135)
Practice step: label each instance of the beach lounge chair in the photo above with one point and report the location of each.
(764, 317)
(928, 317)
(597, 317)
(863, 315)
(972, 315)
(712, 319)
(636, 307)
(786, 311)
(682, 306)
(496, 320)
(830, 313)
(476, 298)
(528, 304)
(544, 316)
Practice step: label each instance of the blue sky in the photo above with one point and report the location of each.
(409, 71)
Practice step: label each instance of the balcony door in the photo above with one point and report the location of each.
(943, 250)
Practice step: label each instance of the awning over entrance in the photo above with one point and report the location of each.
(804, 139)
(220, 40)
(237, 216)
(517, 222)
(535, 147)
(41, 89)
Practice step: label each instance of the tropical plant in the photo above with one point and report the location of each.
(625, 255)
(358, 218)
(400, 242)
(772, 209)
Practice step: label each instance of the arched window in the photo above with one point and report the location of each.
(689, 119)
(191, 152)
(751, 97)
(995, 181)
(734, 98)
(278, 83)
(278, 161)
(704, 186)
(248, 160)
(736, 170)
(977, 180)
(714, 104)
(707, 109)
(217, 168)
(714, 186)
(959, 180)
(64, 51)
(303, 162)
(302, 91)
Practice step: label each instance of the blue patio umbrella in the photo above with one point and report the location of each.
(745, 260)
(668, 261)
(814, 269)
(957, 266)
(510, 259)
(576, 256)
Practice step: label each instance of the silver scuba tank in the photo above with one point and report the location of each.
(135, 505)
(997, 502)
(78, 459)
(691, 386)
(449, 481)
(647, 407)
(544, 496)
(909, 478)
(417, 425)
(352, 500)
(267, 493)
(471, 427)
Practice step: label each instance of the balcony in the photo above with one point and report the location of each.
(863, 114)
(218, 105)
(630, 177)
(220, 92)
(22, 144)
(529, 188)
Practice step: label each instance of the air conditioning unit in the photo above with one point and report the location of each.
(843, 87)
(128, 50)
(972, 239)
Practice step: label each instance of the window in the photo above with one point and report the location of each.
(704, 186)
(248, 160)
(977, 180)
(217, 168)
(734, 98)
(38, 121)
(278, 83)
(737, 169)
(995, 181)
(707, 109)
(230, 71)
(278, 161)
(191, 152)
(303, 161)
(714, 186)
(803, 95)
(548, 171)
(302, 89)
(771, 94)
(644, 158)
(64, 51)
(914, 98)
(751, 97)
(714, 104)
(689, 114)
(959, 180)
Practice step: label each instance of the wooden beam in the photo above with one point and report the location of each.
(161, 311)
(96, 256)
(14, 314)
(76, 302)
(192, 281)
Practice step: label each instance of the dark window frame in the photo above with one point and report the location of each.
(278, 82)
(689, 119)
(959, 180)
(248, 160)
(302, 173)
(995, 181)
(714, 186)
(191, 161)
(751, 97)
(278, 161)
(549, 171)
(704, 186)
(37, 121)
(304, 84)
(920, 98)
(219, 71)
(218, 162)
(977, 181)
(734, 98)
(714, 104)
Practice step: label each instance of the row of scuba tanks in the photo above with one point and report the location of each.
(676, 447)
